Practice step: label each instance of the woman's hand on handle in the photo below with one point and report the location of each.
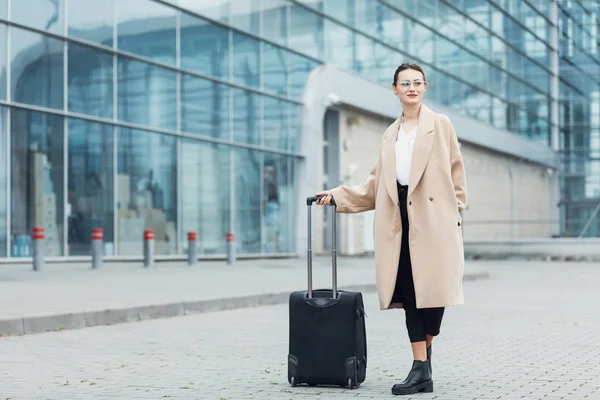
(325, 200)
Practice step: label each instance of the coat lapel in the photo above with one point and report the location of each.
(422, 149)
(388, 160)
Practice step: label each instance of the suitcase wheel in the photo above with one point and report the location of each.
(294, 381)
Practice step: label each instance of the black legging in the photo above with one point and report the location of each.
(419, 322)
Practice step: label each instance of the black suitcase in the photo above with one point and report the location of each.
(328, 340)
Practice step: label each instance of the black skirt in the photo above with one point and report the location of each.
(404, 291)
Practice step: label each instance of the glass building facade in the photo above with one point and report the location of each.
(185, 115)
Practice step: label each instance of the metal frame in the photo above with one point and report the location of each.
(7, 125)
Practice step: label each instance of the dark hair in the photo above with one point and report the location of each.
(404, 66)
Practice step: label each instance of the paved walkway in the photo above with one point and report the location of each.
(528, 332)
(74, 296)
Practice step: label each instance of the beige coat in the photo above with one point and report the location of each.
(437, 194)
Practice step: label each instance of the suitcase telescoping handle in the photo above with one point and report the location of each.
(309, 202)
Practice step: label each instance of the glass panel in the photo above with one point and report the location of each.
(3, 181)
(2, 61)
(367, 17)
(90, 201)
(318, 4)
(245, 60)
(147, 28)
(205, 195)
(342, 10)
(37, 69)
(246, 16)
(246, 116)
(3, 8)
(147, 94)
(300, 67)
(37, 175)
(340, 45)
(204, 47)
(146, 191)
(247, 200)
(277, 198)
(90, 83)
(274, 19)
(306, 32)
(275, 126)
(275, 75)
(92, 20)
(296, 128)
(204, 107)
(365, 57)
(217, 10)
(46, 15)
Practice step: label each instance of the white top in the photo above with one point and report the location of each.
(405, 144)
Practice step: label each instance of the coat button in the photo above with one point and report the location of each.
(431, 199)
(410, 203)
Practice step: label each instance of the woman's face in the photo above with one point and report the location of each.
(410, 86)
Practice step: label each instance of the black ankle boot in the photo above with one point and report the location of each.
(429, 359)
(418, 380)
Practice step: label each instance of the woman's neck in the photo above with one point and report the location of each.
(411, 112)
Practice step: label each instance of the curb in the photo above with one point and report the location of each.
(58, 322)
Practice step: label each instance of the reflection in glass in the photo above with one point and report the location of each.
(90, 198)
(275, 126)
(217, 10)
(46, 15)
(204, 107)
(146, 94)
(342, 10)
(92, 20)
(247, 200)
(340, 45)
(246, 116)
(37, 191)
(245, 60)
(246, 16)
(277, 198)
(205, 195)
(365, 57)
(37, 69)
(296, 127)
(90, 83)
(306, 32)
(274, 20)
(275, 75)
(299, 68)
(204, 47)
(148, 29)
(146, 191)
(3, 182)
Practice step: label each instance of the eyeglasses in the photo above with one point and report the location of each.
(405, 85)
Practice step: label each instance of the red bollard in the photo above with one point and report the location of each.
(230, 248)
(97, 242)
(38, 248)
(192, 248)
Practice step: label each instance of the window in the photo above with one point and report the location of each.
(146, 94)
(37, 197)
(90, 81)
(90, 185)
(146, 191)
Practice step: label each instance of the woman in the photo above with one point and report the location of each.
(418, 189)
